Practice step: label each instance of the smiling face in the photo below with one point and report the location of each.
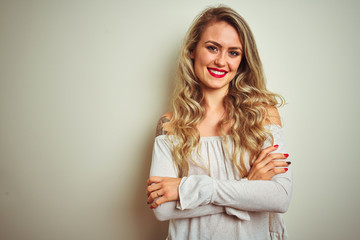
(217, 56)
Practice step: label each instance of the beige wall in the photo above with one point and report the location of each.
(82, 84)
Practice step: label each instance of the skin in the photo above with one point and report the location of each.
(160, 129)
(220, 48)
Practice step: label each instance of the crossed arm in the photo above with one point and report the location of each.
(266, 188)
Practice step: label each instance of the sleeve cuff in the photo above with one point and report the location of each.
(242, 215)
(194, 191)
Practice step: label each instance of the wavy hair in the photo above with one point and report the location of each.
(245, 103)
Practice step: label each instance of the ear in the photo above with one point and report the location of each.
(192, 54)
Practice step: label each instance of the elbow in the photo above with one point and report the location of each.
(283, 202)
(165, 211)
(161, 215)
(279, 204)
(283, 197)
(283, 207)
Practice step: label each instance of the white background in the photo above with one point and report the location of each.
(83, 83)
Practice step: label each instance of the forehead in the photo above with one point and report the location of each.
(221, 32)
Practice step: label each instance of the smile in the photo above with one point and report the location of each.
(217, 72)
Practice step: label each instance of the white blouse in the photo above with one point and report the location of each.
(215, 202)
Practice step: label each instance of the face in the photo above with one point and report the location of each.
(217, 56)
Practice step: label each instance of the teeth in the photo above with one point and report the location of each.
(217, 72)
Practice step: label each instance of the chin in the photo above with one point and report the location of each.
(216, 86)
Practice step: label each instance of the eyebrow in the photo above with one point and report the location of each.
(219, 45)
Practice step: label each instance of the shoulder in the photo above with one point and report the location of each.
(163, 125)
(272, 116)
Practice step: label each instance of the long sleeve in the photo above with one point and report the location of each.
(270, 196)
(163, 166)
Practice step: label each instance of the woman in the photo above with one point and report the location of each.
(219, 167)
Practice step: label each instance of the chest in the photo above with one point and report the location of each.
(209, 127)
(213, 160)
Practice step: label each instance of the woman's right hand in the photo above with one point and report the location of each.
(268, 164)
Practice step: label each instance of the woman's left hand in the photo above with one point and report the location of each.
(163, 189)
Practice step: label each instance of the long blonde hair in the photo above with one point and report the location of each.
(245, 103)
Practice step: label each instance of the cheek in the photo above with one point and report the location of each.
(235, 65)
(203, 58)
(198, 69)
(201, 63)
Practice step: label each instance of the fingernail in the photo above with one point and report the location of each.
(151, 207)
(286, 169)
(147, 202)
(288, 162)
(286, 155)
(276, 146)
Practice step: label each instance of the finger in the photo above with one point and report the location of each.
(155, 195)
(271, 157)
(158, 202)
(276, 171)
(154, 179)
(275, 164)
(265, 152)
(280, 163)
(262, 168)
(152, 188)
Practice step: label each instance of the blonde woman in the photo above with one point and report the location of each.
(219, 168)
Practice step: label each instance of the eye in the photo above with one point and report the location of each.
(234, 53)
(212, 48)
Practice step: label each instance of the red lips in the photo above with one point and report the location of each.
(218, 73)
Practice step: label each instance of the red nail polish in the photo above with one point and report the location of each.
(286, 155)
(151, 207)
(288, 162)
(286, 169)
(276, 146)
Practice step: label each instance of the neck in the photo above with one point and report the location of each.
(214, 99)
(214, 112)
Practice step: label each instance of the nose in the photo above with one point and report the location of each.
(220, 59)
